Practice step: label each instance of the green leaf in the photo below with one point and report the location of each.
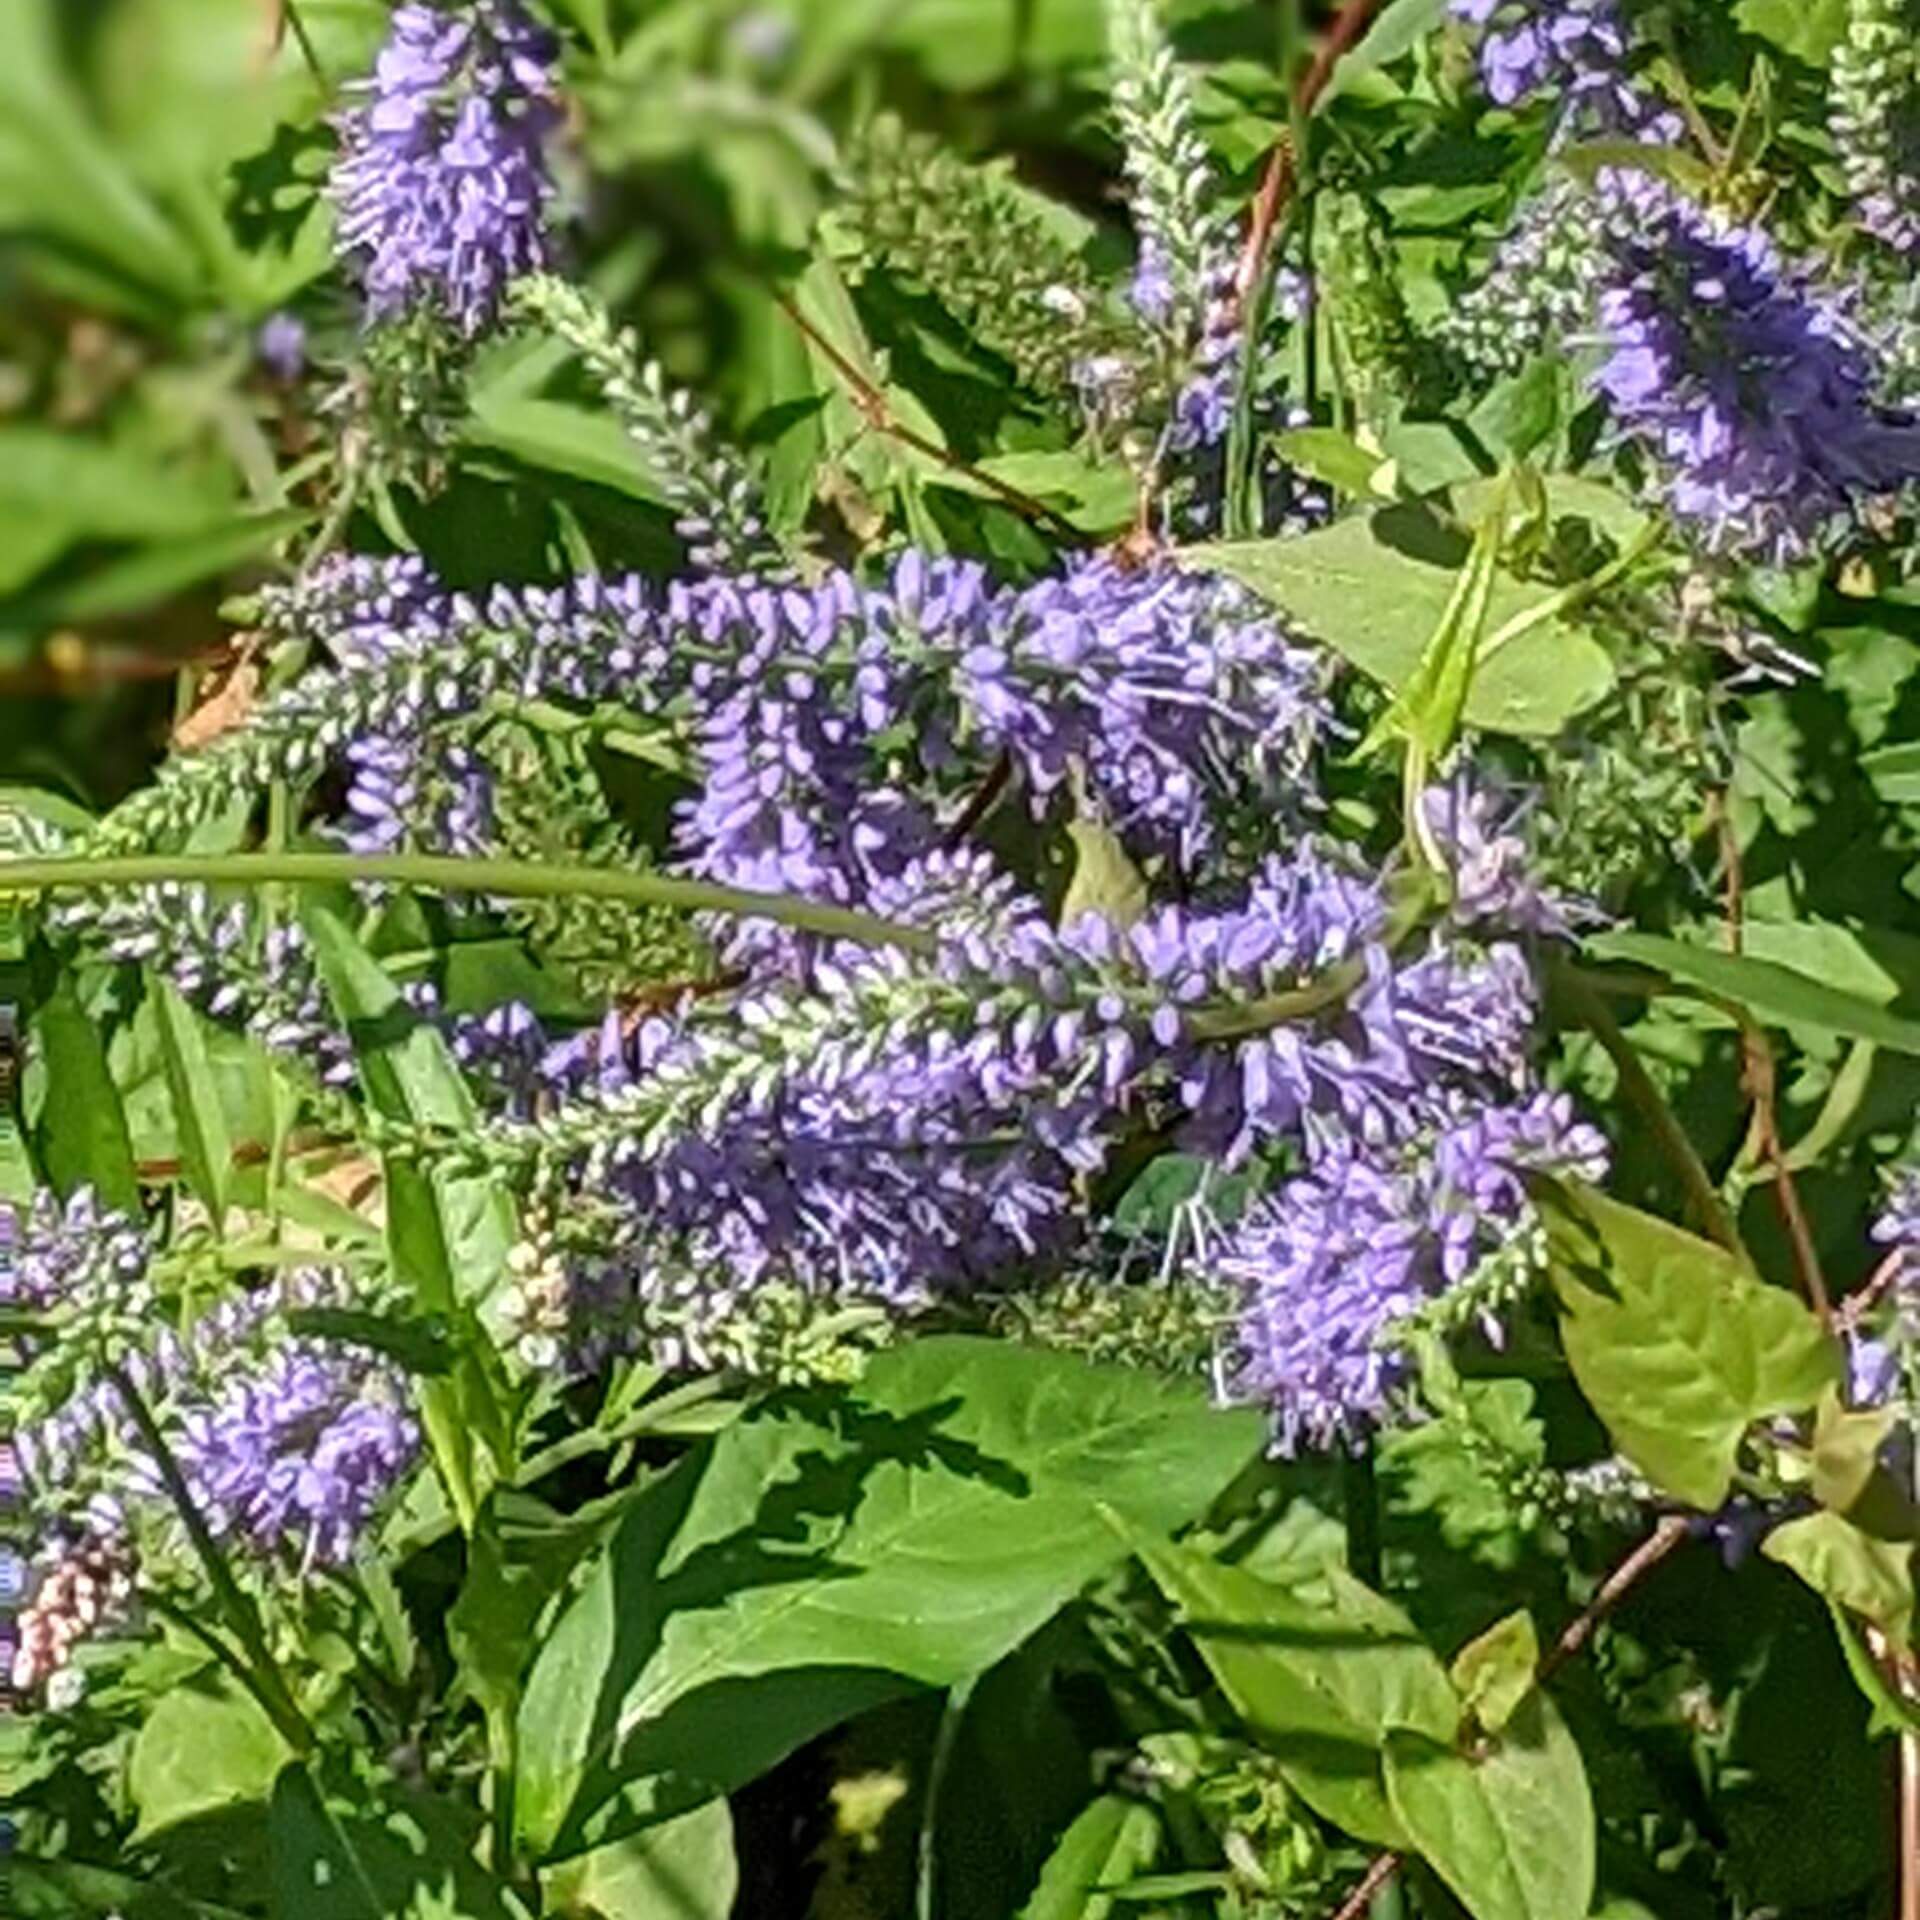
(829, 1550)
(1428, 707)
(1111, 1842)
(490, 1626)
(1095, 497)
(683, 1869)
(159, 572)
(1401, 25)
(60, 178)
(1105, 880)
(1887, 1711)
(1808, 30)
(1870, 1577)
(62, 1889)
(1588, 159)
(1510, 1832)
(421, 1346)
(1335, 457)
(591, 17)
(80, 1129)
(561, 437)
(392, 1856)
(1674, 1342)
(1772, 993)
(1317, 1672)
(447, 1235)
(100, 491)
(206, 1149)
(1846, 1447)
(1494, 1672)
(206, 1747)
(1374, 586)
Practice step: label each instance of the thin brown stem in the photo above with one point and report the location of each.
(1666, 1535)
(1636, 1084)
(1384, 1867)
(980, 803)
(1759, 1080)
(1282, 169)
(873, 408)
(1857, 1305)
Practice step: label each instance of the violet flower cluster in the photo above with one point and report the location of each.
(289, 1443)
(854, 1126)
(1752, 390)
(442, 186)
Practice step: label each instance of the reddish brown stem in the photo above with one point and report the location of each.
(1356, 1903)
(1760, 1082)
(872, 404)
(1667, 1535)
(1276, 183)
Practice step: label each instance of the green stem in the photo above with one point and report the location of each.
(1572, 986)
(1575, 594)
(269, 1685)
(515, 879)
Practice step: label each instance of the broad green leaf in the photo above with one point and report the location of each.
(78, 1129)
(683, 1869)
(1110, 1843)
(1105, 880)
(1494, 1672)
(1678, 1347)
(1570, 498)
(829, 1550)
(1774, 994)
(1870, 1577)
(1374, 588)
(1093, 497)
(1510, 1831)
(390, 1856)
(66, 1889)
(1809, 30)
(206, 1747)
(1521, 411)
(1317, 1672)
(206, 1148)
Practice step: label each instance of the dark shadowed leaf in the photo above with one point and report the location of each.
(1318, 1673)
